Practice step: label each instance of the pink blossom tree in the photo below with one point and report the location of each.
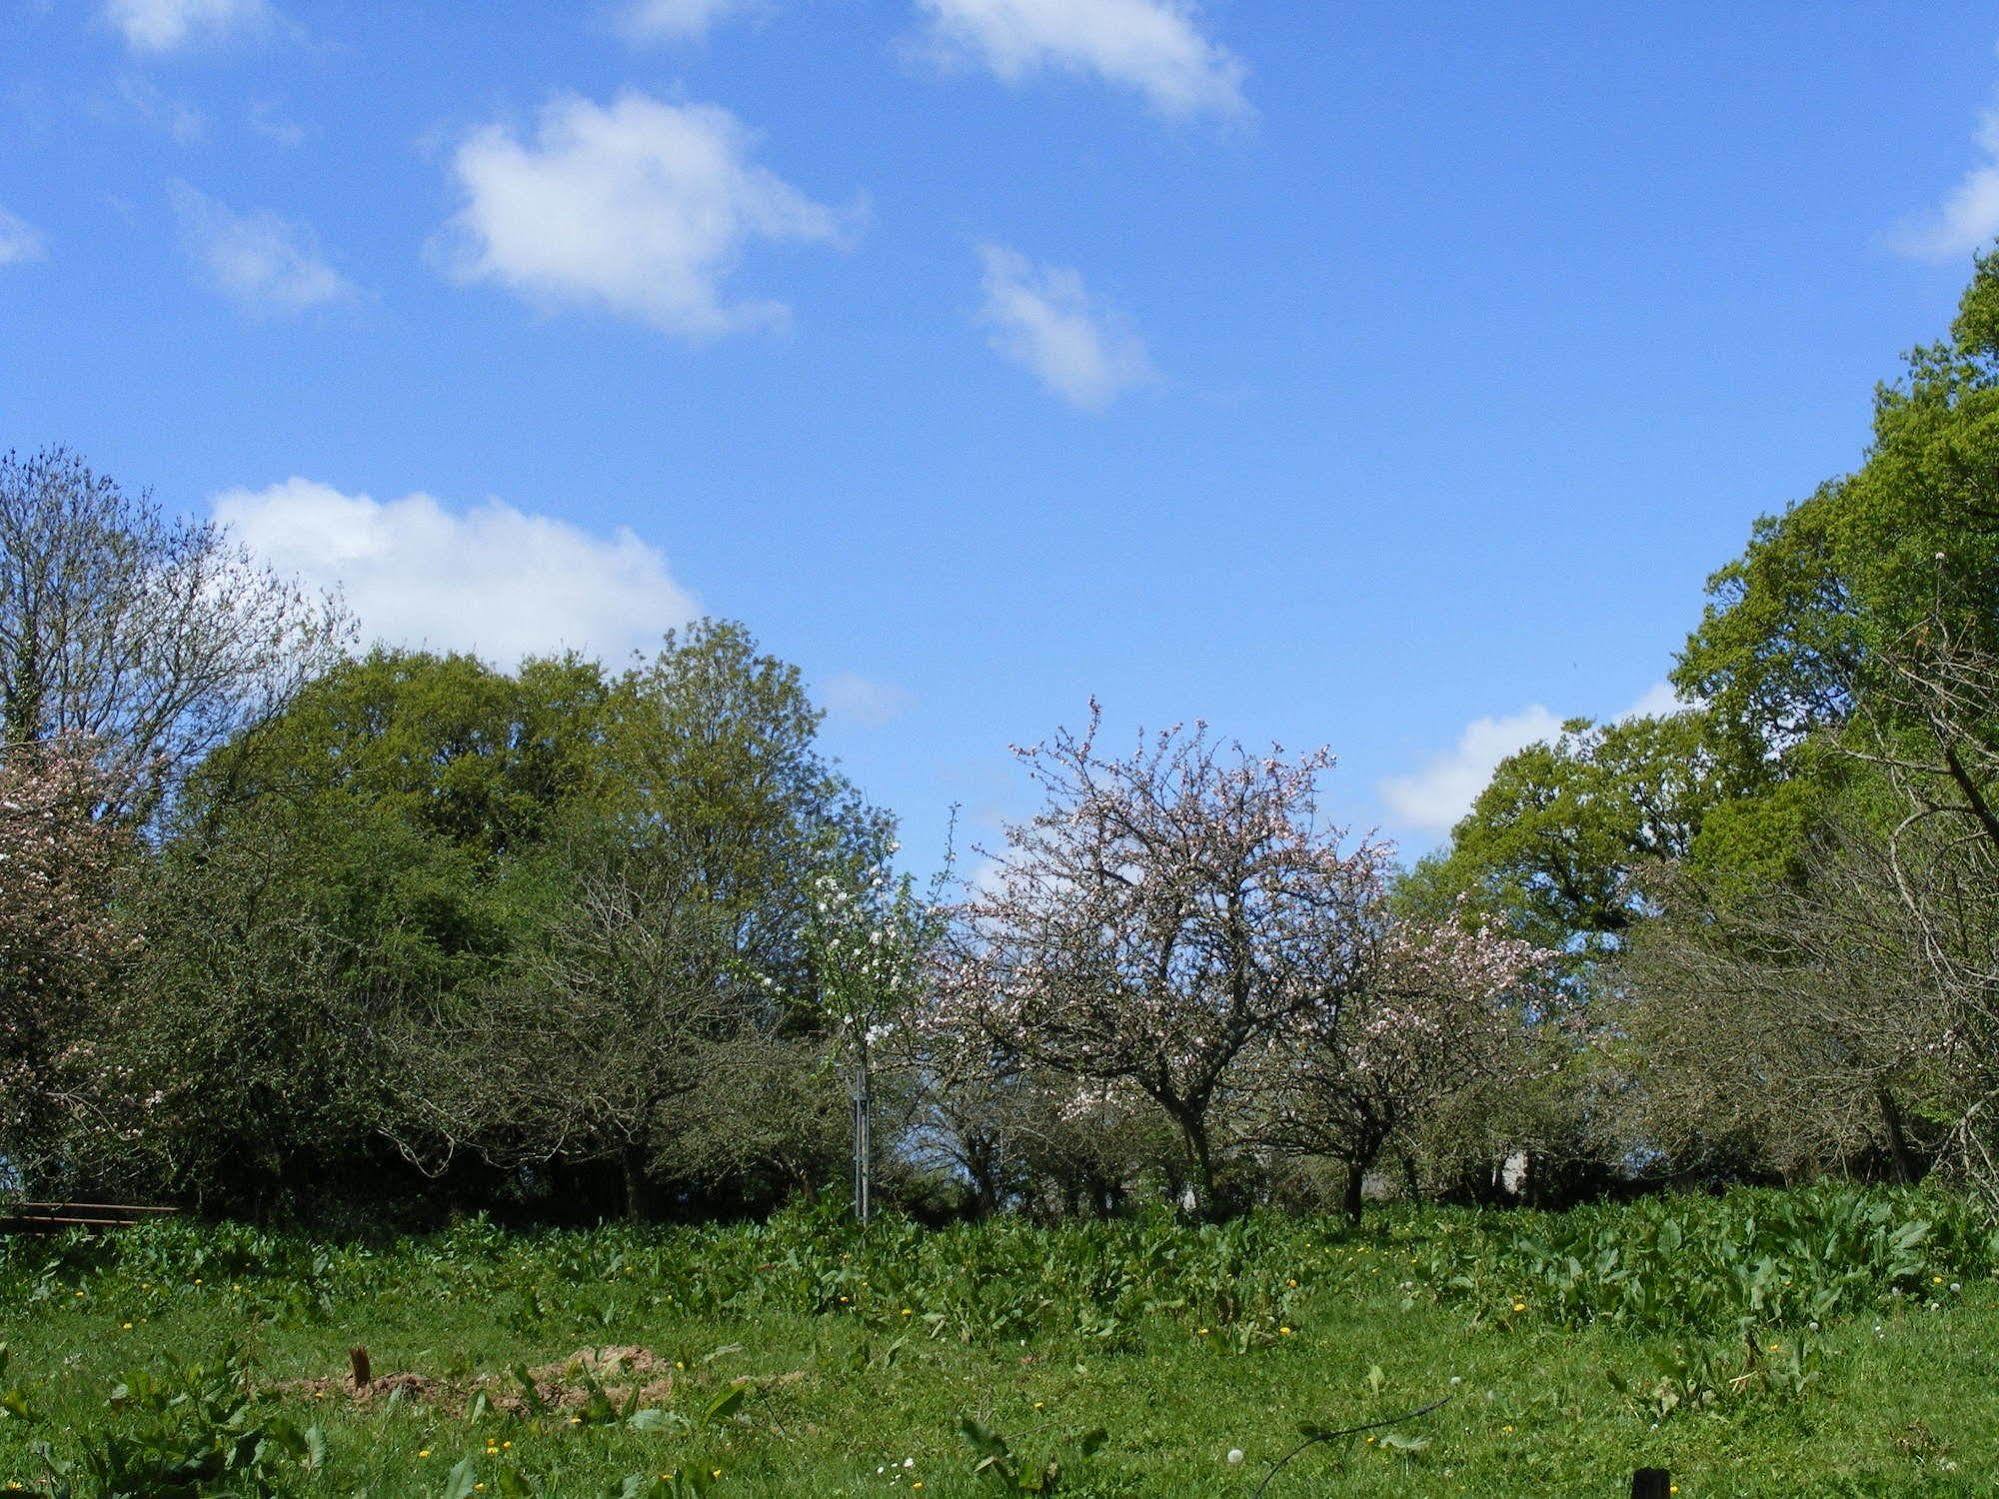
(1181, 922)
(59, 941)
(1165, 913)
(1437, 1008)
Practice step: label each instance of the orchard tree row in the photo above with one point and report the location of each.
(291, 927)
(291, 930)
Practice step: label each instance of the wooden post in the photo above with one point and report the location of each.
(363, 1374)
(1651, 1483)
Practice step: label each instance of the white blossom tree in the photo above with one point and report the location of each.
(870, 937)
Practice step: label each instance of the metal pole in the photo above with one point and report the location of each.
(864, 1140)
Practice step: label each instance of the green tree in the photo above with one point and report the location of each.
(1792, 638)
(1551, 844)
(328, 877)
(663, 965)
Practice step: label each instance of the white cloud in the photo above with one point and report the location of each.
(642, 209)
(675, 20)
(1152, 46)
(179, 119)
(1042, 317)
(490, 579)
(1969, 217)
(19, 240)
(273, 126)
(856, 700)
(169, 25)
(1435, 797)
(264, 262)
(1656, 701)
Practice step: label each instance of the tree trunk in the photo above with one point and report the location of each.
(1907, 1169)
(1201, 1166)
(1356, 1176)
(1411, 1182)
(638, 1186)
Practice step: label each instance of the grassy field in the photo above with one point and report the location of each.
(1820, 1342)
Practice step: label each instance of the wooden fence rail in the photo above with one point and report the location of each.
(55, 1217)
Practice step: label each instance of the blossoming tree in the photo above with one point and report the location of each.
(1436, 1007)
(869, 938)
(58, 940)
(1180, 922)
(1165, 912)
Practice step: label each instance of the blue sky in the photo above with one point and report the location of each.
(1382, 376)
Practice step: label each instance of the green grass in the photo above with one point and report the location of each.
(797, 1358)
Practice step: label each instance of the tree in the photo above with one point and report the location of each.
(1793, 637)
(327, 881)
(1163, 914)
(1551, 845)
(718, 741)
(620, 1005)
(1435, 1009)
(155, 640)
(1931, 728)
(663, 967)
(871, 938)
(1792, 1031)
(61, 945)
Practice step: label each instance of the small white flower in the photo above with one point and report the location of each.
(1235, 1455)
